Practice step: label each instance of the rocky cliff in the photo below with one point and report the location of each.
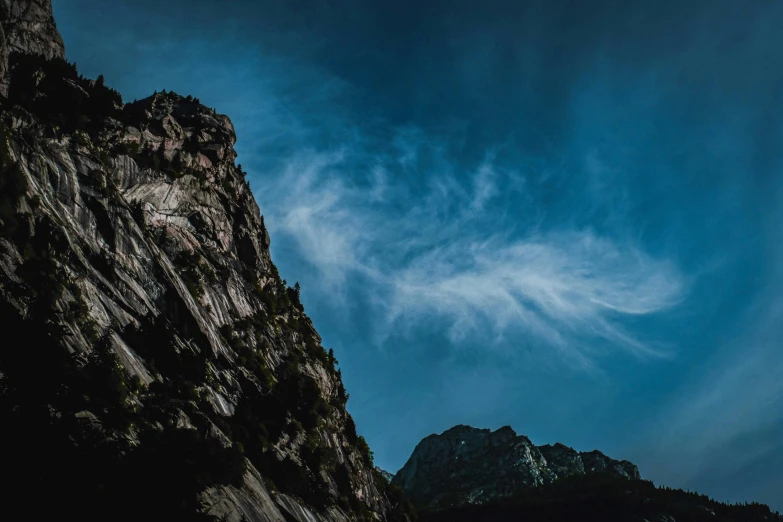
(466, 465)
(155, 365)
(27, 26)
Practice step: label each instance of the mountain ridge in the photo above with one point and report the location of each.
(467, 474)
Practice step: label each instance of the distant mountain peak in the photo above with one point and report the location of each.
(467, 465)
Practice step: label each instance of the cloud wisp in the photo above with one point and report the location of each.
(448, 252)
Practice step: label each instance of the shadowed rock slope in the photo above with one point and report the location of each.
(154, 365)
(27, 26)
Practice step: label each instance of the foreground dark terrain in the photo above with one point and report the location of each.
(155, 366)
(473, 475)
(601, 496)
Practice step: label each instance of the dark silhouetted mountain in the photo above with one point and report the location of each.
(603, 497)
(465, 465)
(477, 475)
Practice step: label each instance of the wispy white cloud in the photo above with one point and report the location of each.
(484, 186)
(561, 287)
(445, 254)
(310, 205)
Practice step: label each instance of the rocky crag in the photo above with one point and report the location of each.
(465, 465)
(27, 27)
(154, 365)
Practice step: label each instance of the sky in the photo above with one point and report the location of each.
(561, 216)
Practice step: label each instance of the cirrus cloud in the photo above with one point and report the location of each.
(449, 253)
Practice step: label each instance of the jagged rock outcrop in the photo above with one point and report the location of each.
(385, 474)
(158, 361)
(564, 461)
(27, 26)
(466, 465)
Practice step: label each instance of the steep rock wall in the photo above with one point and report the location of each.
(27, 26)
(155, 358)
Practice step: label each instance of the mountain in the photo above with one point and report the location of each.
(465, 465)
(467, 474)
(155, 365)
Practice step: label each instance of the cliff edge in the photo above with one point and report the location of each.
(156, 366)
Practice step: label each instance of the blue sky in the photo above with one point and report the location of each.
(561, 216)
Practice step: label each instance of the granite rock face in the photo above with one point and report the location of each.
(135, 266)
(466, 465)
(27, 26)
(385, 474)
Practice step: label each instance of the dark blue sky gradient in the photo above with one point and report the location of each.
(563, 216)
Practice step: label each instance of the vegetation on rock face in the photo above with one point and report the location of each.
(58, 95)
(400, 504)
(12, 186)
(195, 271)
(87, 430)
